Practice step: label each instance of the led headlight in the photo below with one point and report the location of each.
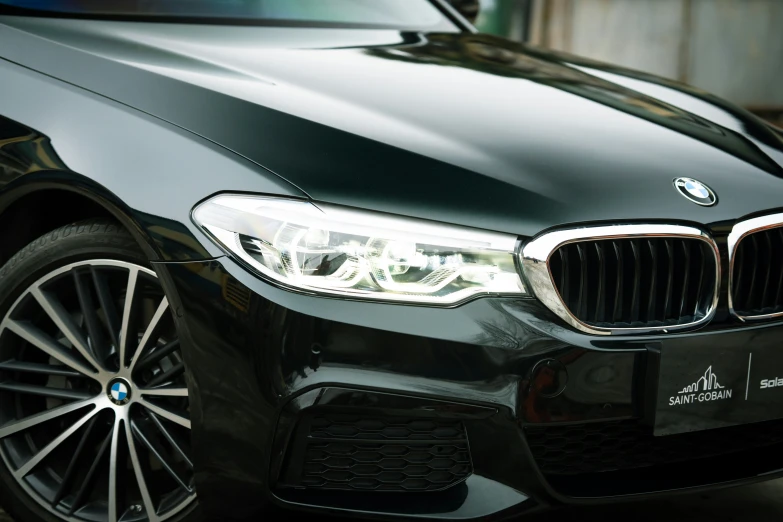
(332, 250)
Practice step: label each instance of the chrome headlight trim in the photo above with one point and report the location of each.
(535, 255)
(739, 232)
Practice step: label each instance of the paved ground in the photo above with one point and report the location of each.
(758, 503)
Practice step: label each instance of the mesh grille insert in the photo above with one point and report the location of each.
(385, 467)
(636, 282)
(378, 453)
(389, 428)
(624, 445)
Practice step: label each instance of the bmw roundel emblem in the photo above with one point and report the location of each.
(695, 191)
(119, 392)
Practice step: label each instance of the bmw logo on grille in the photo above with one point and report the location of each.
(695, 191)
(119, 392)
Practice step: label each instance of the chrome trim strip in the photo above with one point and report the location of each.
(738, 233)
(535, 265)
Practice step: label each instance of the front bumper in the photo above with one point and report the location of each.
(549, 415)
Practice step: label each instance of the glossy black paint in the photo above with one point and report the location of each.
(338, 112)
(258, 355)
(477, 496)
(142, 172)
(253, 360)
(143, 121)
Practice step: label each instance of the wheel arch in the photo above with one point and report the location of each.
(43, 201)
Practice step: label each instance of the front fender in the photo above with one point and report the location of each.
(146, 172)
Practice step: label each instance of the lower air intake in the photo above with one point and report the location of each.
(602, 447)
(358, 453)
(607, 459)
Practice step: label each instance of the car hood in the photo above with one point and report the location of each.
(461, 128)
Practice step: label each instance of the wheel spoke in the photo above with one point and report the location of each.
(170, 437)
(43, 342)
(166, 414)
(34, 420)
(126, 314)
(149, 507)
(164, 392)
(114, 469)
(65, 484)
(94, 328)
(44, 391)
(90, 477)
(162, 308)
(45, 369)
(107, 305)
(38, 457)
(157, 450)
(65, 323)
(167, 376)
(157, 355)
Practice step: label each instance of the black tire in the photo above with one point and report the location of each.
(96, 239)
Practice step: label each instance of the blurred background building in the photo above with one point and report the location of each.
(732, 48)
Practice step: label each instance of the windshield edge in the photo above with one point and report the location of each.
(451, 20)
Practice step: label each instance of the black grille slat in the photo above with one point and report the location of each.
(701, 260)
(667, 302)
(581, 307)
(651, 293)
(686, 250)
(600, 305)
(635, 282)
(757, 277)
(754, 261)
(618, 290)
(565, 282)
(768, 271)
(779, 264)
(739, 274)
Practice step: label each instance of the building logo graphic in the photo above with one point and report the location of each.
(705, 389)
(708, 382)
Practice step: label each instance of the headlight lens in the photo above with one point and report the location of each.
(332, 250)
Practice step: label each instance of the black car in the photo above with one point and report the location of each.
(355, 257)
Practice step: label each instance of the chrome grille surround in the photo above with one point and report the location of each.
(535, 256)
(739, 232)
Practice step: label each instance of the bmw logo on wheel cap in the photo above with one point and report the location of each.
(695, 191)
(119, 392)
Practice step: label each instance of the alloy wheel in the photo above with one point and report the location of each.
(94, 411)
